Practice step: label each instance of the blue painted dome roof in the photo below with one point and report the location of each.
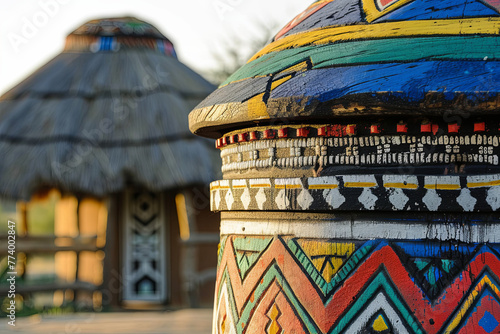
(369, 57)
(324, 13)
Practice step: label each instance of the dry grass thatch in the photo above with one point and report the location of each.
(94, 120)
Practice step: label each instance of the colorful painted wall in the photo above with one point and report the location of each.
(288, 284)
(361, 191)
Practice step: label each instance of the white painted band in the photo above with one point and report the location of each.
(364, 230)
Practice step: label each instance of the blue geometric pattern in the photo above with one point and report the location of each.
(488, 322)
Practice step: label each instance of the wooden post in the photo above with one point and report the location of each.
(23, 213)
(76, 292)
(188, 253)
(111, 288)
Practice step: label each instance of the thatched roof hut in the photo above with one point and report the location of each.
(111, 109)
(108, 119)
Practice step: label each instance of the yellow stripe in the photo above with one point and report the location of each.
(401, 185)
(182, 216)
(300, 67)
(257, 107)
(225, 188)
(278, 82)
(323, 186)
(442, 186)
(483, 26)
(359, 184)
(288, 186)
(483, 184)
(263, 185)
(239, 187)
(372, 12)
(469, 303)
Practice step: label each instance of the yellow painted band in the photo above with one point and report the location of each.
(483, 184)
(467, 304)
(300, 67)
(239, 187)
(257, 108)
(360, 184)
(474, 26)
(442, 186)
(278, 82)
(401, 185)
(323, 186)
(373, 13)
(291, 186)
(263, 185)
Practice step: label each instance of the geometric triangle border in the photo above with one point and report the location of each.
(381, 284)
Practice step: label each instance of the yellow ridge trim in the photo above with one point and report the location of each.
(401, 185)
(474, 26)
(239, 187)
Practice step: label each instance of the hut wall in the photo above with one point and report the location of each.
(356, 253)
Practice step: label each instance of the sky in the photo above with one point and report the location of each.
(33, 31)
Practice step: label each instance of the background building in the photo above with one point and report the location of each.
(95, 144)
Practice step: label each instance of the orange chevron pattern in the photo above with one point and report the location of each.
(279, 278)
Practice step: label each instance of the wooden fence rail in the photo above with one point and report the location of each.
(51, 244)
(31, 245)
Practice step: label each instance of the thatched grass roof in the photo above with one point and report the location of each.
(109, 111)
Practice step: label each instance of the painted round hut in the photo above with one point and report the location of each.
(106, 120)
(361, 184)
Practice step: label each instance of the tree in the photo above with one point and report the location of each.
(238, 51)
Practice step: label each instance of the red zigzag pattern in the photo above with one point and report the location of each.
(325, 316)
